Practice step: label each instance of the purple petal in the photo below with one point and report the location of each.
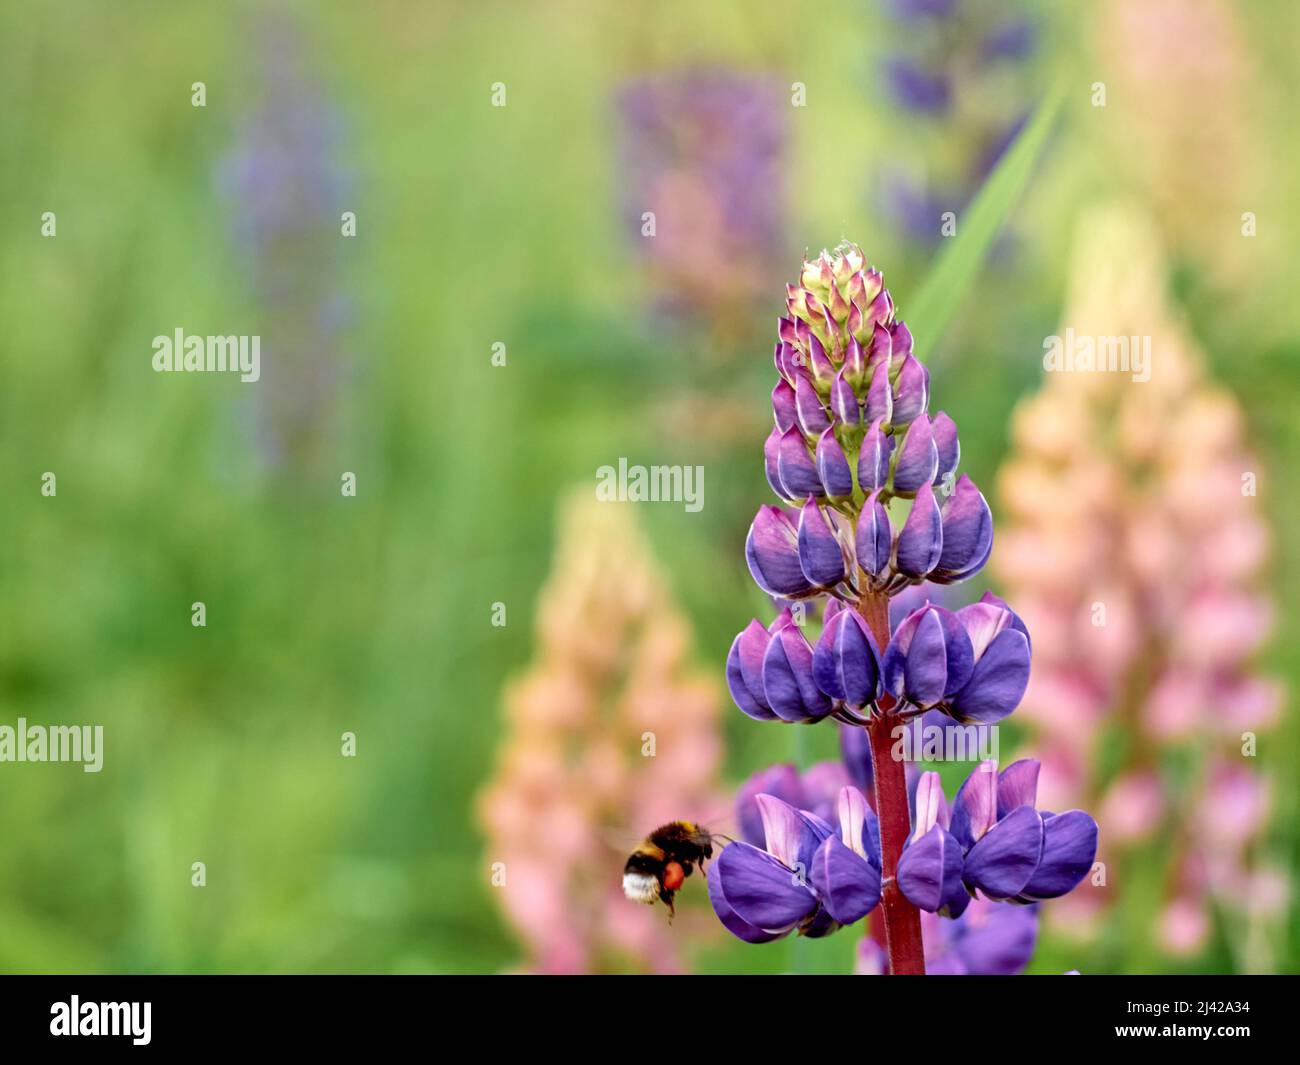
(731, 920)
(854, 370)
(811, 415)
(843, 400)
(833, 467)
(783, 782)
(945, 439)
(1003, 861)
(918, 458)
(911, 390)
(975, 809)
(772, 552)
(967, 532)
(920, 541)
(846, 663)
(821, 366)
(931, 806)
(880, 349)
(820, 555)
(1000, 943)
(1018, 785)
(859, 827)
(795, 469)
(915, 664)
(901, 341)
(1069, 849)
(771, 467)
(875, 537)
(787, 678)
(749, 700)
(783, 406)
(998, 682)
(873, 458)
(761, 891)
(848, 885)
(879, 405)
(1016, 623)
(929, 871)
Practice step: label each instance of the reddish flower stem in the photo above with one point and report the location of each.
(902, 920)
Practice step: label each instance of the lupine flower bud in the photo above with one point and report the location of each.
(760, 895)
(788, 683)
(967, 525)
(846, 661)
(772, 551)
(874, 539)
(846, 868)
(873, 458)
(920, 541)
(911, 391)
(918, 459)
(833, 467)
(821, 556)
(1000, 644)
(1011, 851)
(795, 468)
(783, 405)
(949, 447)
(928, 658)
(745, 672)
(929, 872)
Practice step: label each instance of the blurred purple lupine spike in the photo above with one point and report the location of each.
(975, 53)
(704, 151)
(282, 179)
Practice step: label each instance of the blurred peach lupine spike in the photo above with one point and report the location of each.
(1196, 163)
(1136, 551)
(573, 792)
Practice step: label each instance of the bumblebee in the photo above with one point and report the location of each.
(663, 861)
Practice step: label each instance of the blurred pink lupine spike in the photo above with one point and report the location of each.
(574, 791)
(1135, 548)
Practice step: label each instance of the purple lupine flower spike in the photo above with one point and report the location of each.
(852, 435)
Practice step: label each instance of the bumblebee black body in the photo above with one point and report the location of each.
(656, 869)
